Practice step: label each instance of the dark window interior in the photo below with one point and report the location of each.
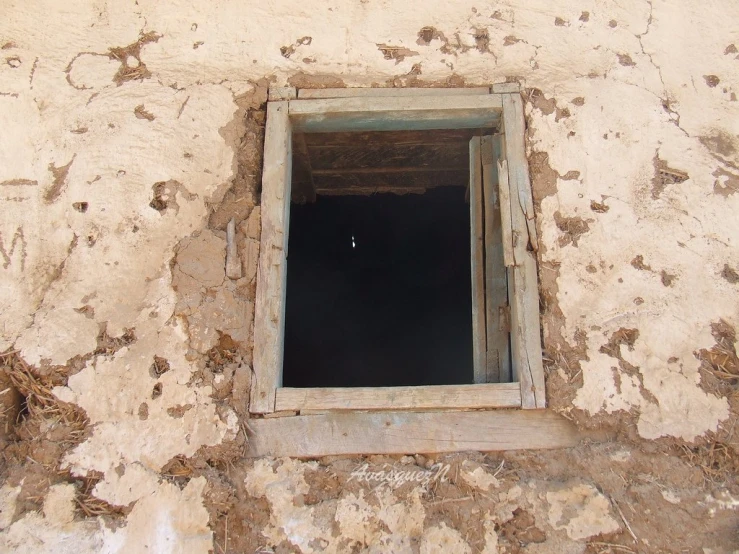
(378, 273)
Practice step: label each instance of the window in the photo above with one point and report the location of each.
(501, 239)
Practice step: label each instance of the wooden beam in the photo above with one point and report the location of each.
(396, 113)
(362, 155)
(305, 93)
(369, 191)
(409, 433)
(383, 170)
(394, 180)
(496, 286)
(525, 324)
(497, 395)
(478, 264)
(269, 309)
(396, 139)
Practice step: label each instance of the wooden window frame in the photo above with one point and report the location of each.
(335, 110)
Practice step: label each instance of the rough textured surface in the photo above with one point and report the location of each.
(132, 136)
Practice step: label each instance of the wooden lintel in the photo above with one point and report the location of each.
(305, 93)
(396, 113)
(409, 433)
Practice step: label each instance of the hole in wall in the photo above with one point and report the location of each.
(378, 279)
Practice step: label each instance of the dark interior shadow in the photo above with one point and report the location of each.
(378, 291)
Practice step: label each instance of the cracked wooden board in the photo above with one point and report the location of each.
(523, 279)
(409, 433)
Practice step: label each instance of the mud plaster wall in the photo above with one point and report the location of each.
(131, 134)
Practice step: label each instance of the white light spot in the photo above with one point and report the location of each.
(354, 244)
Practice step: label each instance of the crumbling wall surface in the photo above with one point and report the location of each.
(131, 135)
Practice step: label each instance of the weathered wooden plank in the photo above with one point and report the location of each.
(514, 108)
(478, 266)
(495, 395)
(409, 433)
(505, 212)
(305, 93)
(396, 113)
(525, 325)
(504, 311)
(269, 309)
(496, 287)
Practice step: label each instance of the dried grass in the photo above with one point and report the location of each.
(179, 466)
(91, 506)
(717, 460)
(722, 361)
(40, 412)
(39, 402)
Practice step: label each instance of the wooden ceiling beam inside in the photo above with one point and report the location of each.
(370, 162)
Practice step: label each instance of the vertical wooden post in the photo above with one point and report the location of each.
(525, 334)
(496, 287)
(478, 269)
(269, 309)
